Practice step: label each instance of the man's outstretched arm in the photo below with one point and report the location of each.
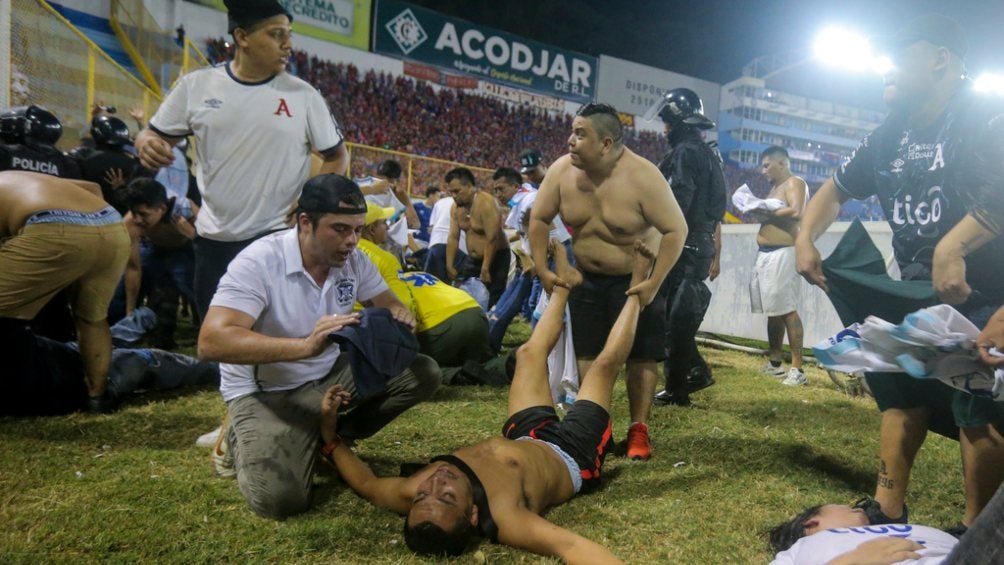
(524, 529)
(385, 492)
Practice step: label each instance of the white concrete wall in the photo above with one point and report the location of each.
(729, 313)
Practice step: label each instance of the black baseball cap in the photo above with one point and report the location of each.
(530, 159)
(935, 29)
(332, 194)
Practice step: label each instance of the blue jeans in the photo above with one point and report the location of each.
(435, 261)
(501, 315)
(534, 297)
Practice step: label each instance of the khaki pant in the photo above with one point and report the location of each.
(45, 258)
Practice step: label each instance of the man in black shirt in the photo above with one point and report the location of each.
(919, 163)
(694, 172)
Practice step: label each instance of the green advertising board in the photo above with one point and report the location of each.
(346, 22)
(406, 31)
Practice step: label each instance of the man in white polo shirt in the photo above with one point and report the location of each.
(255, 126)
(269, 326)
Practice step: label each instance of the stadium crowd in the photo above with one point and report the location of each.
(403, 114)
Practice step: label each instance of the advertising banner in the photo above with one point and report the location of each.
(517, 96)
(432, 74)
(406, 31)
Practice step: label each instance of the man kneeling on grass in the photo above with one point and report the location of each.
(498, 488)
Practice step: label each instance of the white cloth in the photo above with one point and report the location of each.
(776, 288)
(936, 342)
(823, 547)
(744, 199)
(398, 232)
(562, 370)
(522, 202)
(253, 145)
(384, 199)
(267, 281)
(439, 224)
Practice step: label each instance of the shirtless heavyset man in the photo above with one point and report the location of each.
(776, 287)
(499, 488)
(60, 234)
(487, 246)
(610, 197)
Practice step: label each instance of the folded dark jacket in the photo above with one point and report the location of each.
(380, 349)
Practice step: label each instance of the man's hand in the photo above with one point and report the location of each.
(948, 275)
(549, 279)
(716, 269)
(646, 291)
(183, 226)
(114, 177)
(318, 339)
(486, 276)
(138, 115)
(992, 336)
(451, 273)
(402, 314)
(154, 151)
(809, 264)
(882, 551)
(333, 399)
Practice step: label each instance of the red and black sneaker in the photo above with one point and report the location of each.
(639, 447)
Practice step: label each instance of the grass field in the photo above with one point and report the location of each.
(133, 487)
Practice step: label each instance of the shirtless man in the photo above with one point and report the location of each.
(499, 488)
(775, 289)
(610, 197)
(60, 234)
(487, 246)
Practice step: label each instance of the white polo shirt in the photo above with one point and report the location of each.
(253, 145)
(439, 224)
(267, 281)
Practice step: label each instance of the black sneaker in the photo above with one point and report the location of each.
(698, 380)
(104, 404)
(875, 515)
(667, 398)
(958, 530)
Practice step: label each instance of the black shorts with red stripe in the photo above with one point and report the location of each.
(584, 434)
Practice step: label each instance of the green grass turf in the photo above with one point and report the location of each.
(133, 487)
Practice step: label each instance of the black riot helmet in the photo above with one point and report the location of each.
(109, 131)
(680, 105)
(29, 123)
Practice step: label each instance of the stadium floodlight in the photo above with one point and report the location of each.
(989, 83)
(845, 49)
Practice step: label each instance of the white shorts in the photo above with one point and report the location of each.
(776, 287)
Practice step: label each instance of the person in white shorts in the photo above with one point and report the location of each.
(776, 287)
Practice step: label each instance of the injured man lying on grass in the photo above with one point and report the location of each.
(842, 535)
(498, 488)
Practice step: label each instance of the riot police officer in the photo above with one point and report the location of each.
(109, 164)
(29, 135)
(694, 172)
